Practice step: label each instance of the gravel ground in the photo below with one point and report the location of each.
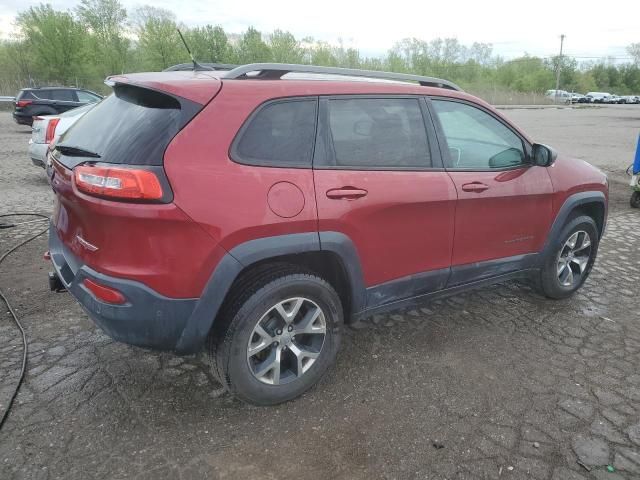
(496, 383)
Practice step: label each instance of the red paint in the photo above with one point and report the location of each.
(156, 244)
(285, 199)
(510, 215)
(404, 224)
(401, 223)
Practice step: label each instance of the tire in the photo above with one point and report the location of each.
(556, 283)
(635, 200)
(255, 303)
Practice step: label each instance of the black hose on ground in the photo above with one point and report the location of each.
(25, 346)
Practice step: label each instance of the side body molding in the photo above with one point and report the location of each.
(199, 323)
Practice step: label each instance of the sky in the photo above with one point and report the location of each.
(513, 27)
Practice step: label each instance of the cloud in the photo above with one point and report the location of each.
(513, 27)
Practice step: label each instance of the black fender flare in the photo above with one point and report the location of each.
(199, 323)
(570, 204)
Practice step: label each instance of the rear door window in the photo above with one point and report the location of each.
(278, 134)
(132, 126)
(376, 133)
(42, 94)
(63, 95)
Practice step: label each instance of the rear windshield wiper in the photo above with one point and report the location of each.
(75, 151)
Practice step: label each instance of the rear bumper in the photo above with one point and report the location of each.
(22, 119)
(38, 153)
(148, 319)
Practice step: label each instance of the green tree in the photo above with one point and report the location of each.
(634, 51)
(107, 21)
(210, 44)
(252, 49)
(57, 43)
(285, 48)
(158, 41)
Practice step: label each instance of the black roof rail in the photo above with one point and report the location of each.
(210, 66)
(272, 71)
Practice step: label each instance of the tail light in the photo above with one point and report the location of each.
(118, 183)
(51, 130)
(104, 293)
(23, 103)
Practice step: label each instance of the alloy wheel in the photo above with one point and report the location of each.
(573, 258)
(286, 341)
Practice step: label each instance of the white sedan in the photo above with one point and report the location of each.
(47, 129)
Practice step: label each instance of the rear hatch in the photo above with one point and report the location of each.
(113, 208)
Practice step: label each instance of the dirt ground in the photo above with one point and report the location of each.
(495, 383)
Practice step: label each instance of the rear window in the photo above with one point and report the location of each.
(25, 95)
(132, 126)
(279, 134)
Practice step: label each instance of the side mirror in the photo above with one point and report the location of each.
(543, 155)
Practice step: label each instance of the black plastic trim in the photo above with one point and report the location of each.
(344, 248)
(570, 204)
(447, 292)
(473, 272)
(147, 319)
(407, 287)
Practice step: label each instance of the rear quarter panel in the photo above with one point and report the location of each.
(230, 200)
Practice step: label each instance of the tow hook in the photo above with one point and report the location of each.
(55, 284)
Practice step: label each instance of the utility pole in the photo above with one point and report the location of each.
(558, 67)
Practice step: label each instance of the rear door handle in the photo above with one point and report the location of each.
(474, 187)
(346, 193)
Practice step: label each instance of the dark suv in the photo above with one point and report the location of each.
(31, 102)
(254, 211)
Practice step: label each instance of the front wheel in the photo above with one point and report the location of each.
(635, 200)
(278, 337)
(571, 258)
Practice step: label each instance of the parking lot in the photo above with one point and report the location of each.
(495, 383)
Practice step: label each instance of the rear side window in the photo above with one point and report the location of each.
(279, 134)
(377, 133)
(132, 126)
(63, 95)
(43, 94)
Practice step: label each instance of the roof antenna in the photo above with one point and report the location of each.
(196, 66)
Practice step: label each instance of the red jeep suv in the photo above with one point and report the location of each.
(255, 211)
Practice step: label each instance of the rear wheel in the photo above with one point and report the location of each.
(278, 337)
(635, 200)
(569, 262)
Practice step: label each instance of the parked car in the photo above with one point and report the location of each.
(578, 98)
(46, 130)
(259, 213)
(598, 97)
(630, 99)
(34, 102)
(558, 96)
